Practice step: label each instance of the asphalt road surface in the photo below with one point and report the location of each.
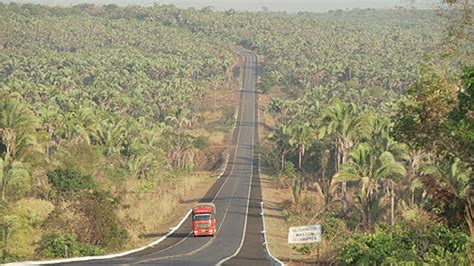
(236, 195)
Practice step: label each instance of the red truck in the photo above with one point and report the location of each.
(204, 220)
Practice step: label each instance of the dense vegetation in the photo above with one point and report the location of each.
(365, 111)
(90, 99)
(375, 128)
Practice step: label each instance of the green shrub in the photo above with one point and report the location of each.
(353, 220)
(304, 249)
(428, 243)
(66, 182)
(228, 119)
(333, 226)
(100, 217)
(201, 142)
(92, 217)
(55, 245)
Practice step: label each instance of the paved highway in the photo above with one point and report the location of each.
(237, 198)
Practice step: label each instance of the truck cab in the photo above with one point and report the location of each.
(204, 220)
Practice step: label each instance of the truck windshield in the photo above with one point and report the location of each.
(202, 217)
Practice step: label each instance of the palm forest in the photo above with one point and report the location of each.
(110, 116)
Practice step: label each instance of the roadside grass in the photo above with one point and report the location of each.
(26, 217)
(280, 215)
(215, 137)
(153, 207)
(275, 217)
(277, 201)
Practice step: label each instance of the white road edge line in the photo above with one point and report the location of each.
(225, 166)
(273, 259)
(267, 249)
(248, 198)
(105, 256)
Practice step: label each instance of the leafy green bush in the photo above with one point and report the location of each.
(55, 245)
(92, 217)
(68, 181)
(304, 249)
(459, 123)
(333, 226)
(100, 217)
(432, 243)
(201, 142)
(227, 121)
(353, 220)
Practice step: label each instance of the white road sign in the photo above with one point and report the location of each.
(304, 234)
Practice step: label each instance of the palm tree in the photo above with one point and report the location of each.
(281, 137)
(381, 141)
(372, 169)
(12, 172)
(415, 162)
(345, 125)
(182, 152)
(458, 179)
(110, 134)
(140, 166)
(300, 133)
(325, 185)
(17, 125)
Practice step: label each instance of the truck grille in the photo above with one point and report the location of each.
(203, 226)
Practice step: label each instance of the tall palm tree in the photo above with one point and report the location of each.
(372, 169)
(345, 125)
(12, 172)
(17, 125)
(300, 134)
(281, 137)
(326, 184)
(458, 179)
(182, 152)
(415, 162)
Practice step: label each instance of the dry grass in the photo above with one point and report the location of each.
(277, 219)
(156, 207)
(276, 204)
(29, 213)
(215, 137)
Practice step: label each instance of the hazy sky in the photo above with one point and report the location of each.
(276, 5)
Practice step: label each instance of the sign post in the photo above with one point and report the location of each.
(317, 248)
(304, 235)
